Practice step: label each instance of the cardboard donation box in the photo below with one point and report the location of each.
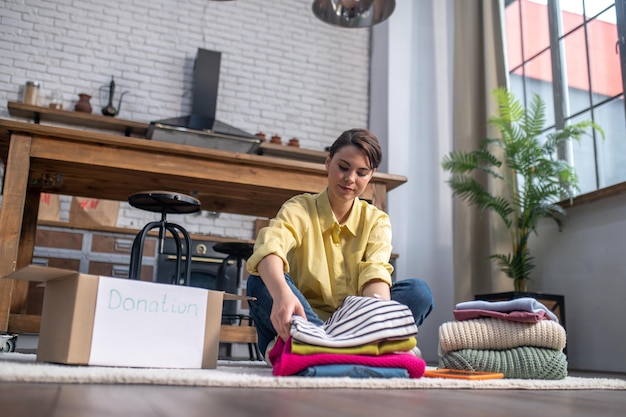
(95, 320)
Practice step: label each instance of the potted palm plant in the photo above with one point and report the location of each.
(524, 158)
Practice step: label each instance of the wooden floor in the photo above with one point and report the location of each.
(58, 400)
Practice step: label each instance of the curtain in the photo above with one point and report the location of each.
(479, 68)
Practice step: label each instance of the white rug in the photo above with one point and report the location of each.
(20, 367)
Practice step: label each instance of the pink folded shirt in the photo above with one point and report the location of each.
(287, 363)
(518, 316)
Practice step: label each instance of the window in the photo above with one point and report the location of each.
(573, 54)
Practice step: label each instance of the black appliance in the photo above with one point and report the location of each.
(205, 270)
(200, 127)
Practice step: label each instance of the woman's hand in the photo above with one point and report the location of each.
(285, 303)
(285, 306)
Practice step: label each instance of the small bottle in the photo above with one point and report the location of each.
(55, 100)
(31, 93)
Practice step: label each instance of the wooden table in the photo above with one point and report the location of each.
(59, 160)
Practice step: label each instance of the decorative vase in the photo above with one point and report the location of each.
(83, 104)
(261, 135)
(294, 142)
(276, 139)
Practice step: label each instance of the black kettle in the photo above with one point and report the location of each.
(109, 110)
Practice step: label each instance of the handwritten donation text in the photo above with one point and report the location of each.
(164, 305)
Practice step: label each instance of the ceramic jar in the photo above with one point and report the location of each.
(31, 93)
(83, 105)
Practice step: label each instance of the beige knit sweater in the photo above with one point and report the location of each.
(496, 334)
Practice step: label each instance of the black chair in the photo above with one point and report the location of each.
(237, 252)
(163, 202)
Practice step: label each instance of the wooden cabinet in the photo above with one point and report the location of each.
(119, 270)
(58, 248)
(86, 251)
(119, 244)
(117, 263)
(92, 252)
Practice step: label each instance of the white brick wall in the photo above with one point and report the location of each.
(283, 71)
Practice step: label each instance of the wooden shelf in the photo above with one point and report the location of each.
(40, 114)
(137, 129)
(292, 152)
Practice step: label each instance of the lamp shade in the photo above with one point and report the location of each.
(353, 13)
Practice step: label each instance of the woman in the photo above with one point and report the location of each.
(321, 248)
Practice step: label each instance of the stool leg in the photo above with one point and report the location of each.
(162, 229)
(253, 348)
(189, 256)
(135, 256)
(221, 275)
(136, 251)
(227, 318)
(181, 250)
(223, 281)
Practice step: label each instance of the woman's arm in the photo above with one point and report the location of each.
(375, 270)
(377, 289)
(285, 303)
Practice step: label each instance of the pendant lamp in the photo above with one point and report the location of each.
(353, 13)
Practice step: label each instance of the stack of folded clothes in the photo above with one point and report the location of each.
(520, 338)
(365, 338)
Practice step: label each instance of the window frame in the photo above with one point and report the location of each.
(560, 88)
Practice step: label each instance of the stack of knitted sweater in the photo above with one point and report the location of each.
(520, 338)
(365, 338)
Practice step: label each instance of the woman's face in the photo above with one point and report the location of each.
(349, 173)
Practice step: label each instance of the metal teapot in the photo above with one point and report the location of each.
(109, 109)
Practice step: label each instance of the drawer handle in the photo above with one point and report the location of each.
(120, 271)
(122, 245)
(199, 259)
(40, 261)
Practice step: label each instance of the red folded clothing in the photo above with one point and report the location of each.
(286, 363)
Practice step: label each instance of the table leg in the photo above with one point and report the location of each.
(20, 297)
(11, 218)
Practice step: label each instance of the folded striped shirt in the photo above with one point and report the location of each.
(358, 321)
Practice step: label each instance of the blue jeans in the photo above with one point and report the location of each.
(413, 292)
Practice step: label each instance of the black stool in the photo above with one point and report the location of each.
(163, 202)
(237, 252)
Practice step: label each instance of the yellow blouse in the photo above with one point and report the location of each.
(328, 261)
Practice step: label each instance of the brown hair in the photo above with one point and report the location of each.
(362, 139)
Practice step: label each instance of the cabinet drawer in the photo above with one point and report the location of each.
(59, 239)
(117, 270)
(63, 263)
(120, 244)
